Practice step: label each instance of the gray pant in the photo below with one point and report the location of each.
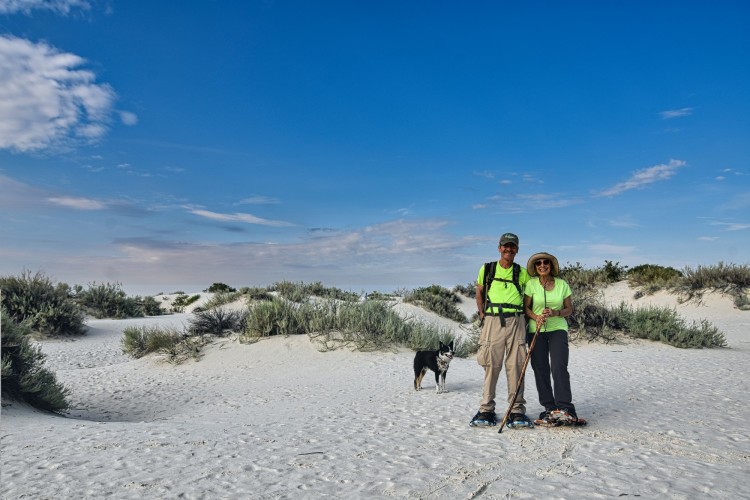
(497, 342)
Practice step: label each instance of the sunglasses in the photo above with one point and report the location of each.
(542, 262)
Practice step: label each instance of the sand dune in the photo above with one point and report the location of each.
(279, 419)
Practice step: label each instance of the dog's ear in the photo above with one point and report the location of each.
(442, 345)
(451, 345)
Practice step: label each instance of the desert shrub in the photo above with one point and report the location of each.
(149, 306)
(220, 288)
(371, 325)
(577, 275)
(439, 300)
(173, 344)
(470, 289)
(220, 299)
(732, 279)
(650, 275)
(301, 292)
(663, 324)
(275, 317)
(182, 301)
(256, 293)
(33, 300)
(295, 292)
(24, 376)
(109, 300)
(217, 321)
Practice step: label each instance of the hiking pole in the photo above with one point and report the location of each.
(523, 373)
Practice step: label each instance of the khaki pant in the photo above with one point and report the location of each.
(495, 343)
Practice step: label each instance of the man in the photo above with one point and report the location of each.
(503, 336)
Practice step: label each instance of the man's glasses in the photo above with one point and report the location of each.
(542, 262)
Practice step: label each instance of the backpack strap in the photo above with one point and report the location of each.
(489, 276)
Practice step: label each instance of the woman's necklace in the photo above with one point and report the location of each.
(549, 284)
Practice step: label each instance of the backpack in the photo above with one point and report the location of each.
(489, 272)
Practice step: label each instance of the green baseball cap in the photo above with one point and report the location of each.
(508, 238)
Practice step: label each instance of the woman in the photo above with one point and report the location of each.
(547, 300)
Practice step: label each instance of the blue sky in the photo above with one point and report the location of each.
(368, 145)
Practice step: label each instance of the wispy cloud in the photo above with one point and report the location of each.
(259, 200)
(645, 177)
(26, 6)
(732, 226)
(128, 118)
(675, 113)
(78, 203)
(237, 217)
(46, 99)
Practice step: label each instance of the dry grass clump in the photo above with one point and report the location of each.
(439, 300)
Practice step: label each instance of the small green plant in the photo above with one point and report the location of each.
(469, 290)
(274, 317)
(221, 299)
(663, 324)
(182, 301)
(32, 299)
(256, 293)
(648, 275)
(24, 376)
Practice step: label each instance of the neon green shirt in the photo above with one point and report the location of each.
(553, 298)
(504, 292)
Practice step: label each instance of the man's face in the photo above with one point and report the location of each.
(508, 251)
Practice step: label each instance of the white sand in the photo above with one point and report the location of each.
(278, 419)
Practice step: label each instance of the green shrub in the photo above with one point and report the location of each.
(256, 293)
(650, 275)
(469, 290)
(24, 377)
(301, 292)
(170, 342)
(182, 301)
(663, 324)
(220, 288)
(108, 300)
(33, 300)
(438, 300)
(275, 317)
(221, 299)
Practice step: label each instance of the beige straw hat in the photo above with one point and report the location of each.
(531, 267)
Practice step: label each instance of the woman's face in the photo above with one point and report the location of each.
(543, 266)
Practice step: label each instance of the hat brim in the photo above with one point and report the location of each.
(531, 268)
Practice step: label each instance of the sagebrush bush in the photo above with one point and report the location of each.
(301, 292)
(470, 289)
(651, 275)
(664, 324)
(221, 299)
(109, 300)
(24, 376)
(439, 300)
(32, 299)
(256, 293)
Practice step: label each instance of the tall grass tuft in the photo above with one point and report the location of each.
(274, 317)
(24, 376)
(217, 321)
(33, 300)
(174, 345)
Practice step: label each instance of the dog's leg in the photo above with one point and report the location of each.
(438, 388)
(442, 380)
(418, 379)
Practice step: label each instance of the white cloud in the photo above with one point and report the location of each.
(645, 176)
(675, 113)
(46, 99)
(259, 200)
(26, 6)
(237, 217)
(708, 238)
(128, 118)
(77, 203)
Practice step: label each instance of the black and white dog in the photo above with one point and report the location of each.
(437, 361)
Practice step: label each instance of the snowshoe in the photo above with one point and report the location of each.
(557, 418)
(519, 421)
(484, 419)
